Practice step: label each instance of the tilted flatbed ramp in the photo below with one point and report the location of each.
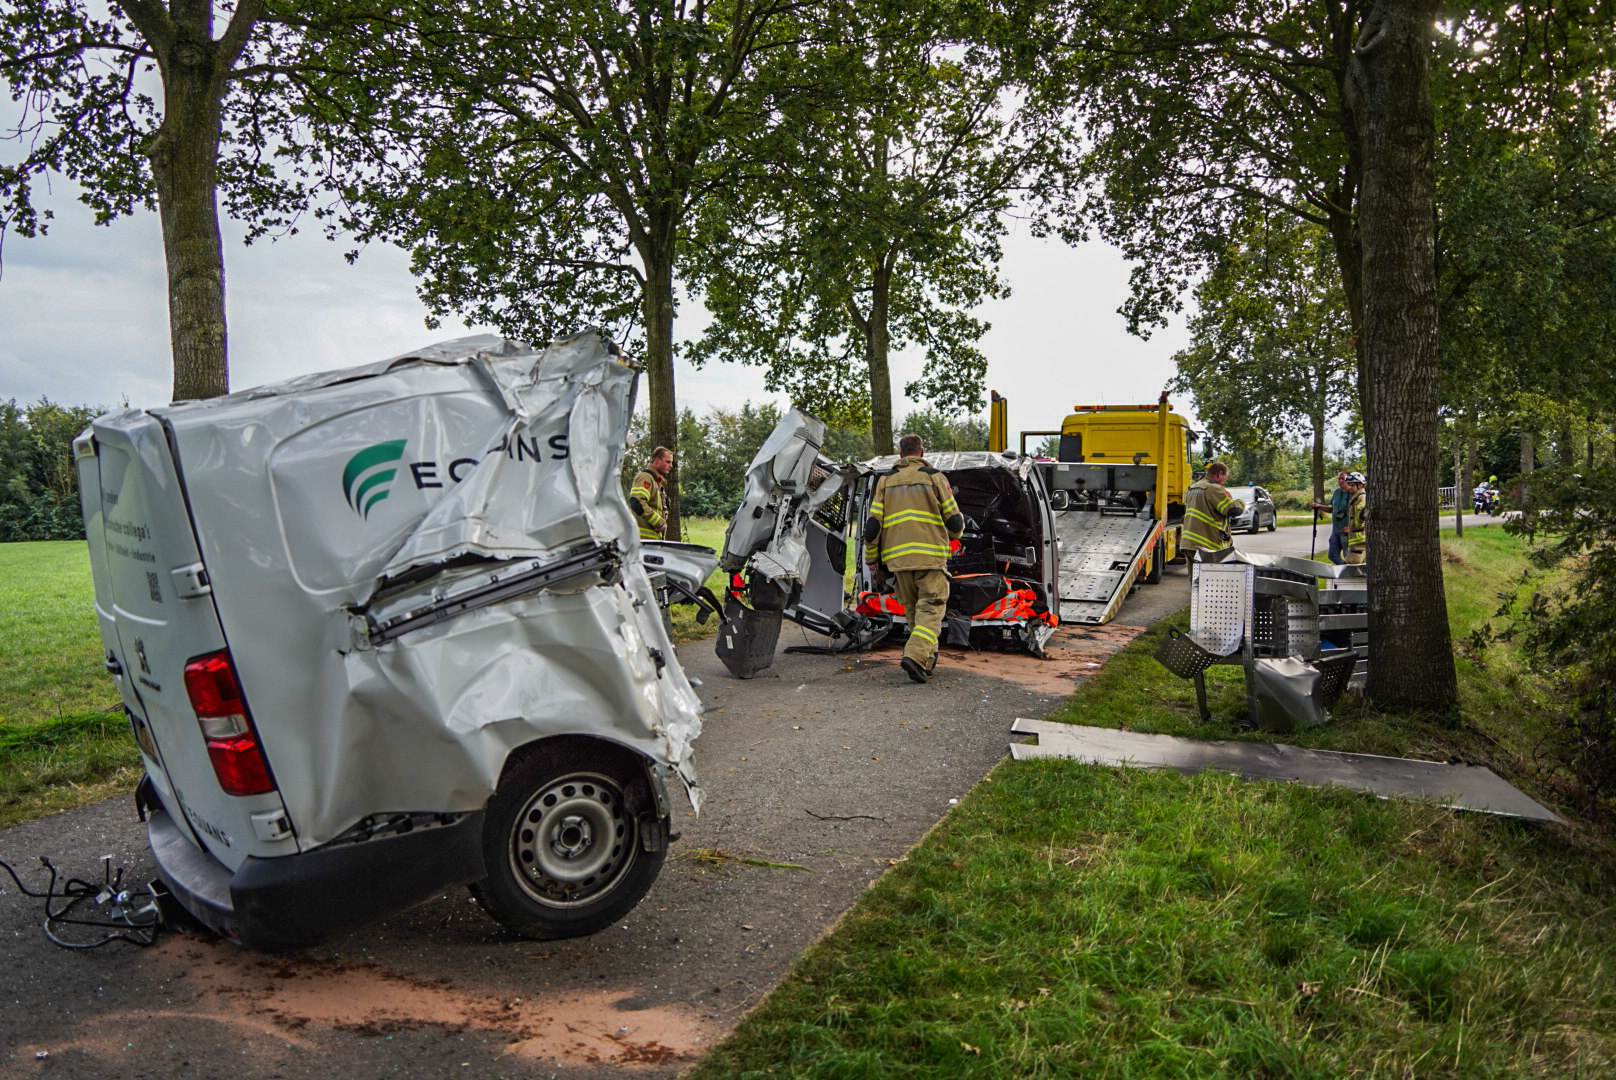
(1102, 554)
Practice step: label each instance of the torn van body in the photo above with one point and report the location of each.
(367, 622)
(789, 546)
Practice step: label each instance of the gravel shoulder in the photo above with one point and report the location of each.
(830, 767)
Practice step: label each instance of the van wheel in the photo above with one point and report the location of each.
(562, 841)
(1158, 560)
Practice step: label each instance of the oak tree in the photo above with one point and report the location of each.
(1271, 354)
(882, 229)
(543, 163)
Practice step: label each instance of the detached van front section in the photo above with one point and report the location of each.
(357, 617)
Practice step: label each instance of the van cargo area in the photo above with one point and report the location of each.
(389, 629)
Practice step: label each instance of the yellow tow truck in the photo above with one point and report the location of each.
(1116, 485)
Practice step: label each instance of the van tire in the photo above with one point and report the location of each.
(545, 834)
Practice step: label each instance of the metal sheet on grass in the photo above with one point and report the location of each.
(1462, 787)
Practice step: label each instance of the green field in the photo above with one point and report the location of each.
(63, 738)
(1070, 920)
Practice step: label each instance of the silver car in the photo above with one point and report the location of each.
(1259, 513)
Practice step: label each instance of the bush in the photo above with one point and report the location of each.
(1568, 628)
(39, 485)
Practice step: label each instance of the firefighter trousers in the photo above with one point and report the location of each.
(924, 596)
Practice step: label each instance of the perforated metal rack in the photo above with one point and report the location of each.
(1268, 609)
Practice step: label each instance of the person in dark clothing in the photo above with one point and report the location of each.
(1339, 506)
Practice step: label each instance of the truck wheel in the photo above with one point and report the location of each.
(562, 841)
(1158, 560)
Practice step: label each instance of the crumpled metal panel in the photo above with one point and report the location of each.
(785, 484)
(327, 499)
(1282, 690)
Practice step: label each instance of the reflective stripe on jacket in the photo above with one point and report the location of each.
(915, 511)
(1358, 523)
(646, 500)
(1207, 510)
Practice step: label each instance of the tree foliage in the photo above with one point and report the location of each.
(1270, 356)
(883, 230)
(39, 485)
(544, 163)
(1569, 628)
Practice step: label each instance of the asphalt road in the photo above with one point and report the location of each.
(834, 765)
(1294, 539)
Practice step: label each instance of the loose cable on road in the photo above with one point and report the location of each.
(132, 916)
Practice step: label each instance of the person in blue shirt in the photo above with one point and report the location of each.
(1340, 506)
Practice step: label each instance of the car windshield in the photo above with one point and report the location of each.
(1245, 494)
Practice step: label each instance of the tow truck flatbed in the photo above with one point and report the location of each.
(1102, 554)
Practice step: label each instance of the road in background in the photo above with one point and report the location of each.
(1294, 539)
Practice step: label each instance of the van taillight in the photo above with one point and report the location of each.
(215, 692)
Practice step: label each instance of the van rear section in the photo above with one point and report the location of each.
(365, 622)
(165, 648)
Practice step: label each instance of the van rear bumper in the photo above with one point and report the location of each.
(298, 900)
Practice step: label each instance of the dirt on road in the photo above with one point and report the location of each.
(820, 773)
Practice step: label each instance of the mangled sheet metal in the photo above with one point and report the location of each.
(424, 563)
(786, 547)
(1462, 787)
(786, 483)
(793, 546)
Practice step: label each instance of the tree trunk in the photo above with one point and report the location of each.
(1389, 90)
(1317, 462)
(876, 344)
(1460, 494)
(1345, 196)
(184, 159)
(1563, 448)
(1470, 459)
(878, 334)
(1528, 451)
(664, 428)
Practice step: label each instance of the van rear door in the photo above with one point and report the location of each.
(155, 608)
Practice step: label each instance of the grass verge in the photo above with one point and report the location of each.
(63, 739)
(1070, 920)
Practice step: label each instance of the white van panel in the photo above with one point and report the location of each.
(141, 536)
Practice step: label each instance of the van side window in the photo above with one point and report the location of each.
(1071, 447)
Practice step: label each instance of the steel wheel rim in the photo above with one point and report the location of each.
(573, 840)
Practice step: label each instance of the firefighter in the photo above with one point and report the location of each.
(646, 497)
(1208, 506)
(1357, 520)
(913, 520)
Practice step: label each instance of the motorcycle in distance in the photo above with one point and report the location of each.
(1486, 500)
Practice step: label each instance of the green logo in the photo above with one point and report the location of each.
(369, 474)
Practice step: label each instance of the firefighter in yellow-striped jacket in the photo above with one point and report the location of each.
(1208, 506)
(1357, 519)
(646, 497)
(913, 518)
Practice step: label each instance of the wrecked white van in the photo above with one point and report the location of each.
(386, 630)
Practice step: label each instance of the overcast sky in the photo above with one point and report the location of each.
(83, 319)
